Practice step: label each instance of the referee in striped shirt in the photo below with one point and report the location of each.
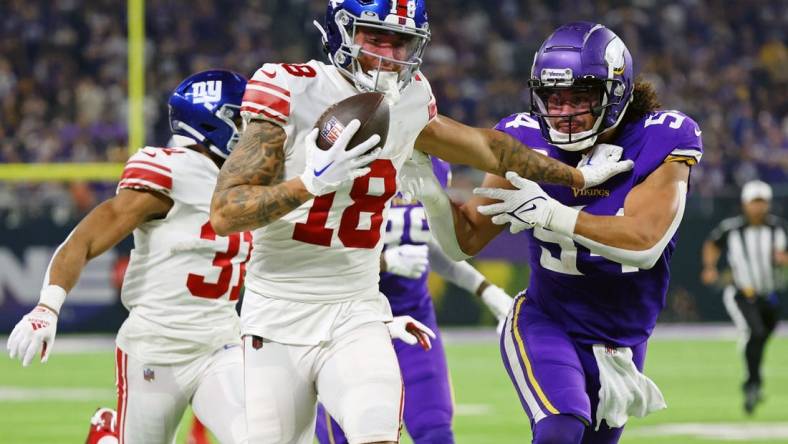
(755, 246)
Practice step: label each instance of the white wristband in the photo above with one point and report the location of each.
(563, 219)
(53, 297)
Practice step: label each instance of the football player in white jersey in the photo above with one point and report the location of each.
(313, 317)
(181, 342)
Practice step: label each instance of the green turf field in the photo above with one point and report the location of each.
(700, 380)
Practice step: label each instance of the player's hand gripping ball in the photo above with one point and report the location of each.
(370, 109)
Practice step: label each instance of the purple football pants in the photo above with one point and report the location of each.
(428, 399)
(555, 375)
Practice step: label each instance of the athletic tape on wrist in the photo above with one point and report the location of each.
(53, 297)
(563, 220)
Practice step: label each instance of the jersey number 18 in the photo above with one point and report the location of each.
(314, 230)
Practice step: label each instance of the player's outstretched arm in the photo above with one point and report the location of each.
(496, 152)
(100, 230)
(103, 228)
(461, 231)
(652, 213)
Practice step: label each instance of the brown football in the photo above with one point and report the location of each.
(369, 108)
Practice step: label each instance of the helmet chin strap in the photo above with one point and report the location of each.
(182, 141)
(197, 138)
(323, 33)
(580, 145)
(387, 82)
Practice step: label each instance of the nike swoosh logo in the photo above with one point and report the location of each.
(322, 170)
(522, 208)
(698, 132)
(270, 75)
(531, 208)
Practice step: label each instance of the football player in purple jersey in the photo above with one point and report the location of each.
(408, 251)
(574, 343)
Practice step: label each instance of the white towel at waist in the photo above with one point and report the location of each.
(624, 390)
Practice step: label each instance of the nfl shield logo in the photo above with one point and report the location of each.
(331, 130)
(148, 374)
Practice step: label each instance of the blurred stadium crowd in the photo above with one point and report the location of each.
(63, 71)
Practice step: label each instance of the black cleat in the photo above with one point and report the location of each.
(752, 397)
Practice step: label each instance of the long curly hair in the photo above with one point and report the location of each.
(644, 101)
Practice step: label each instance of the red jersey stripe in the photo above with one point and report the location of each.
(276, 88)
(121, 366)
(432, 108)
(133, 162)
(260, 108)
(267, 100)
(148, 175)
(266, 114)
(140, 184)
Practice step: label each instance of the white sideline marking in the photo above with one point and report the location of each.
(10, 393)
(75, 343)
(24, 394)
(79, 343)
(717, 431)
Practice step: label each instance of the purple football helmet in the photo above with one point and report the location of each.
(345, 17)
(588, 65)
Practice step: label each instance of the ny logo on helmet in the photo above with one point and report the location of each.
(208, 92)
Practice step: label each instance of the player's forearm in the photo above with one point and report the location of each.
(622, 239)
(618, 231)
(247, 207)
(67, 264)
(250, 190)
(511, 155)
(494, 152)
(99, 231)
(471, 235)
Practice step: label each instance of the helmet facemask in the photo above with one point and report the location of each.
(389, 75)
(228, 114)
(586, 97)
(231, 115)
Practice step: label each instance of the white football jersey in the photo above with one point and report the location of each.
(328, 249)
(183, 281)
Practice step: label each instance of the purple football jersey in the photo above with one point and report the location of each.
(595, 299)
(406, 224)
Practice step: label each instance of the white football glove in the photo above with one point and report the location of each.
(325, 171)
(33, 333)
(408, 261)
(526, 207)
(498, 302)
(601, 163)
(410, 331)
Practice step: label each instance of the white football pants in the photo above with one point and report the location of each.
(153, 398)
(355, 376)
